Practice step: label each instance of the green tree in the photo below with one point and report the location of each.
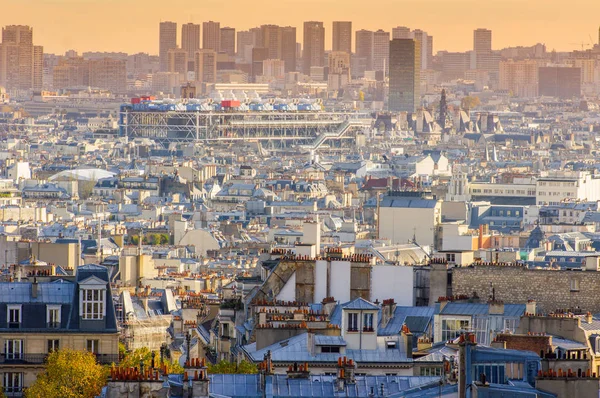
(69, 374)
(225, 367)
(132, 360)
(470, 102)
(164, 239)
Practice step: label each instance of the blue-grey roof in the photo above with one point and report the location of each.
(58, 292)
(295, 349)
(324, 386)
(280, 386)
(321, 339)
(474, 309)
(418, 317)
(360, 304)
(565, 344)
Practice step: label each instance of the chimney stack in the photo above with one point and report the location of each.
(34, 288)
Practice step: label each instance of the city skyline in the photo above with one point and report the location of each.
(69, 29)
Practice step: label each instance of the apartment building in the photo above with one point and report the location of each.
(37, 317)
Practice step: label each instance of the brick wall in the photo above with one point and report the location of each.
(535, 344)
(551, 290)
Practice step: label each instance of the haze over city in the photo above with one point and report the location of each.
(284, 199)
(130, 26)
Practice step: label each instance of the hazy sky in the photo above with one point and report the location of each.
(132, 25)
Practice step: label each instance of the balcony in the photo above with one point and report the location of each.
(22, 359)
(38, 359)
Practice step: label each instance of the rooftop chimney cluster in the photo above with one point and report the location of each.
(568, 374)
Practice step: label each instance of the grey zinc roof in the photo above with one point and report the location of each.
(295, 349)
(565, 344)
(324, 386)
(420, 317)
(235, 385)
(359, 304)
(48, 293)
(321, 339)
(510, 310)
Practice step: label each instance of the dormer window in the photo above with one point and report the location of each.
(352, 322)
(53, 316)
(14, 316)
(92, 304)
(368, 322)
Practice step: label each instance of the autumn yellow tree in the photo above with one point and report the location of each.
(226, 367)
(69, 374)
(132, 360)
(470, 102)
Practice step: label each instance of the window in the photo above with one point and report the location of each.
(93, 346)
(574, 285)
(13, 349)
(330, 348)
(390, 345)
(14, 316)
(431, 371)
(13, 383)
(53, 345)
(450, 257)
(352, 322)
(367, 322)
(93, 304)
(53, 316)
(451, 328)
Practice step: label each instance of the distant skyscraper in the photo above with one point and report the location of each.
(271, 36)
(364, 47)
(244, 38)
(482, 41)
(401, 32)
(109, 74)
(314, 45)
(178, 62)
(423, 40)
(259, 54)
(288, 47)
(190, 38)
(342, 36)
(339, 70)
(167, 41)
(562, 82)
(405, 75)
(228, 40)
(211, 36)
(520, 77)
(206, 66)
(21, 63)
(381, 51)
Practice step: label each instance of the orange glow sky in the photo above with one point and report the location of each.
(132, 25)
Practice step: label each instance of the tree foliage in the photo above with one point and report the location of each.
(132, 360)
(69, 374)
(470, 102)
(225, 367)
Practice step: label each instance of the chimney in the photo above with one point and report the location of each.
(34, 288)
(465, 344)
(388, 308)
(298, 371)
(407, 338)
(589, 318)
(530, 307)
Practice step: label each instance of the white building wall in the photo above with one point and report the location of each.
(288, 292)
(340, 281)
(392, 281)
(399, 224)
(320, 281)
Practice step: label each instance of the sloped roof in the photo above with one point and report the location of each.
(360, 304)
